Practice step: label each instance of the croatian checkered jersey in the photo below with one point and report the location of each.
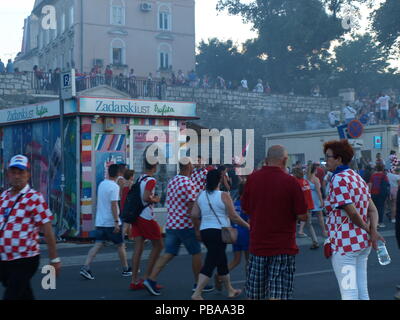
(19, 236)
(347, 187)
(180, 191)
(199, 178)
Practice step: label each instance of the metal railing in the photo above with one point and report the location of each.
(49, 83)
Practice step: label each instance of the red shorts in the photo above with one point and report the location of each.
(148, 229)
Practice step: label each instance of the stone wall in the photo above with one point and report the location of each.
(222, 109)
(13, 84)
(16, 90)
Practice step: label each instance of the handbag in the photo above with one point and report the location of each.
(328, 251)
(229, 235)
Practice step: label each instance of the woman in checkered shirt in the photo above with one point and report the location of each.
(352, 222)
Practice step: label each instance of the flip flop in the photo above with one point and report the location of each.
(237, 294)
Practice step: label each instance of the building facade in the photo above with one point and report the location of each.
(146, 35)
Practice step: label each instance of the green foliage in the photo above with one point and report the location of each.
(386, 23)
(293, 34)
(362, 64)
(292, 49)
(219, 58)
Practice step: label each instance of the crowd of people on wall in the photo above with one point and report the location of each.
(129, 83)
(152, 85)
(370, 110)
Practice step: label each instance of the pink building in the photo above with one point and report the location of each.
(146, 35)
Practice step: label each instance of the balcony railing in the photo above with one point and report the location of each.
(49, 83)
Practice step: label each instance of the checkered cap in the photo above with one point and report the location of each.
(347, 187)
(180, 192)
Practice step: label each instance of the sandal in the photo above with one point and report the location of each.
(237, 294)
(217, 283)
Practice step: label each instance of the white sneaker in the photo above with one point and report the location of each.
(381, 225)
(393, 220)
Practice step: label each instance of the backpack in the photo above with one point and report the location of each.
(384, 188)
(133, 204)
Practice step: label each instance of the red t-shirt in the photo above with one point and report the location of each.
(125, 191)
(320, 174)
(305, 187)
(273, 199)
(376, 180)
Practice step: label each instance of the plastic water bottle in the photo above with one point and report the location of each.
(383, 255)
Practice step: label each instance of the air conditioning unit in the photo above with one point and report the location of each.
(145, 7)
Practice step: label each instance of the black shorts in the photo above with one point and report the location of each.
(107, 234)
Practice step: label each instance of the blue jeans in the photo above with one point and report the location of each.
(174, 239)
(107, 234)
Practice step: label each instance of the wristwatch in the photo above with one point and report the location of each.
(55, 260)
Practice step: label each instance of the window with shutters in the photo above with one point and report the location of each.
(164, 56)
(164, 17)
(117, 12)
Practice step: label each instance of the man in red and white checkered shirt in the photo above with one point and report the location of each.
(352, 222)
(23, 211)
(181, 196)
(199, 176)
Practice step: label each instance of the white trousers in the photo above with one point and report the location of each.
(351, 274)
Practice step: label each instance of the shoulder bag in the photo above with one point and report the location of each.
(229, 235)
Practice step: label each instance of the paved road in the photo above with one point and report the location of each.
(314, 276)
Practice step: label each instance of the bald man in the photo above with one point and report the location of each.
(181, 195)
(274, 201)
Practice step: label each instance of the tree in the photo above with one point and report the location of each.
(291, 34)
(219, 58)
(386, 23)
(362, 64)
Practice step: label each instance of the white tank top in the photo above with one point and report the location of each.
(208, 219)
